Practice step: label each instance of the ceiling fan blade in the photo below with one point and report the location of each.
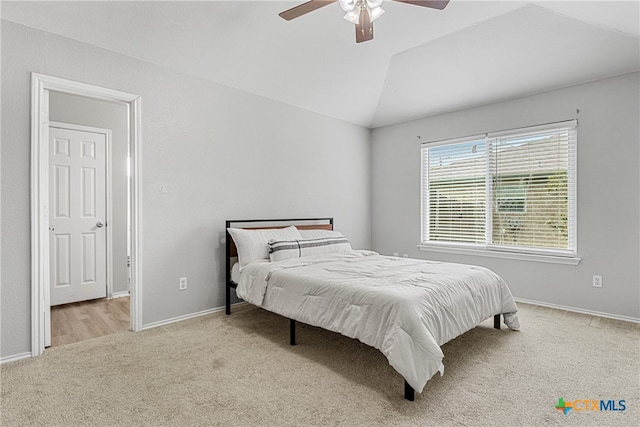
(304, 8)
(364, 27)
(433, 4)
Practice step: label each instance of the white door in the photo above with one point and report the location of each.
(77, 200)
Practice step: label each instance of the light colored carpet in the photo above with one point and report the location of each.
(240, 370)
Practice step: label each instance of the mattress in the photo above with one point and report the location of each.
(404, 307)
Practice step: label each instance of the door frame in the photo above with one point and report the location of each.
(108, 189)
(40, 281)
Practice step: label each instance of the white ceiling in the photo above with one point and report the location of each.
(422, 61)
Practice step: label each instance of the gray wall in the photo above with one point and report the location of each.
(79, 110)
(608, 192)
(209, 153)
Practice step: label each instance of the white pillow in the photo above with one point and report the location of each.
(284, 249)
(318, 234)
(252, 244)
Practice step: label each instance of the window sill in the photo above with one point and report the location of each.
(500, 254)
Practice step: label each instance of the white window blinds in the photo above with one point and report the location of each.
(511, 190)
(455, 191)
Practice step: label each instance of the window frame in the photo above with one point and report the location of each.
(488, 247)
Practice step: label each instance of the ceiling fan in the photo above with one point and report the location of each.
(360, 12)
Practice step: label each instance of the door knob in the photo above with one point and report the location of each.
(99, 225)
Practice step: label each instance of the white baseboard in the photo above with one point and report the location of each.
(119, 294)
(186, 316)
(579, 310)
(15, 357)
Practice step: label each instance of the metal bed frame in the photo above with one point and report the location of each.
(409, 392)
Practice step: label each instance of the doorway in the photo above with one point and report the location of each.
(87, 219)
(44, 208)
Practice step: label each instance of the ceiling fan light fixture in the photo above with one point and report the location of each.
(348, 5)
(353, 8)
(353, 15)
(376, 13)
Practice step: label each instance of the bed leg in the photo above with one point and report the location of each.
(292, 332)
(409, 392)
(228, 311)
(496, 321)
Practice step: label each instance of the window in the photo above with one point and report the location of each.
(505, 191)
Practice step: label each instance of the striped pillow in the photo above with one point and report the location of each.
(284, 249)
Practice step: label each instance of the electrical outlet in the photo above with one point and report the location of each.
(405, 255)
(395, 254)
(183, 284)
(597, 281)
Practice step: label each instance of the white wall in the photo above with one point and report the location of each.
(79, 110)
(209, 153)
(608, 192)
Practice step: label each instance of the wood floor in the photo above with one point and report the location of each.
(84, 320)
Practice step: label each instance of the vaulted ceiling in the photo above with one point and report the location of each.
(422, 62)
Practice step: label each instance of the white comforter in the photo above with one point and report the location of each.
(406, 308)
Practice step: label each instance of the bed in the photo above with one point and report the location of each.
(307, 272)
